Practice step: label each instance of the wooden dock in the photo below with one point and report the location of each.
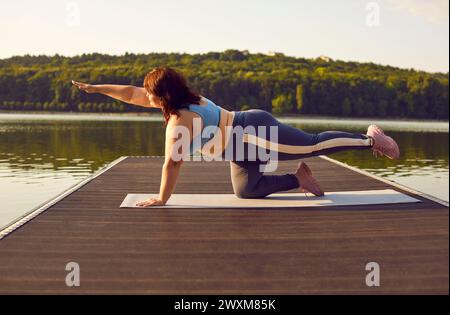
(218, 251)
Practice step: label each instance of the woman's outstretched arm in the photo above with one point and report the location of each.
(125, 93)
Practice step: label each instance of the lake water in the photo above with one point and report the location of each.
(42, 155)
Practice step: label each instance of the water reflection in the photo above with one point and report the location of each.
(76, 145)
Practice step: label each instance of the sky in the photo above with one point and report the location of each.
(401, 33)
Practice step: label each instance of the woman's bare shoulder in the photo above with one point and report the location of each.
(204, 100)
(182, 119)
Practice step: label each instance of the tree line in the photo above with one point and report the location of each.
(233, 79)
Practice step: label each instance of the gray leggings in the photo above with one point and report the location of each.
(293, 144)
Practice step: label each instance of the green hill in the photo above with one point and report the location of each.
(233, 79)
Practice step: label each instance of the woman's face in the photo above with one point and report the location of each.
(153, 99)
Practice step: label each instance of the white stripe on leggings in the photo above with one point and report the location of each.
(293, 149)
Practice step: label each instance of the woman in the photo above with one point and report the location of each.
(166, 89)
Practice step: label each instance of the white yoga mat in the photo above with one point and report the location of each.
(292, 200)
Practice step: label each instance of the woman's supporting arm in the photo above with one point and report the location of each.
(173, 159)
(169, 177)
(176, 131)
(125, 93)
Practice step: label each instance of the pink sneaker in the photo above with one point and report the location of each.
(384, 145)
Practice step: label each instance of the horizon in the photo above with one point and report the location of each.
(404, 34)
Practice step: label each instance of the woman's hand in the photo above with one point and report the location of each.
(150, 202)
(88, 88)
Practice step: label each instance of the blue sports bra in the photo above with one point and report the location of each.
(210, 114)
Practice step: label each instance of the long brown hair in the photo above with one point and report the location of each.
(172, 89)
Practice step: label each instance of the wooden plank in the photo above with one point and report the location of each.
(220, 251)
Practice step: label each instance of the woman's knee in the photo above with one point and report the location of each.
(245, 177)
(246, 192)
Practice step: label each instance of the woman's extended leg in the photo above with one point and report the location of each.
(290, 143)
(262, 135)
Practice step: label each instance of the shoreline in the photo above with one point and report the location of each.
(283, 117)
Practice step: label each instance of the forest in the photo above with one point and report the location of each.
(233, 79)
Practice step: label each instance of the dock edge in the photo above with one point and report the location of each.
(30, 215)
(405, 188)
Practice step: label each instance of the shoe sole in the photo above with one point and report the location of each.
(393, 146)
